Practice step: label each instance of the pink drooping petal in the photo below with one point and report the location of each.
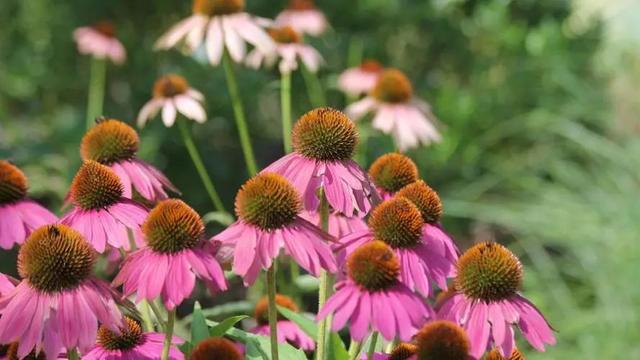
(180, 30)
(311, 21)
(149, 111)
(355, 81)
(168, 113)
(12, 230)
(233, 41)
(359, 109)
(214, 41)
(190, 108)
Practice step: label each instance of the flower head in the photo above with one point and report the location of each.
(172, 94)
(303, 16)
(19, 216)
(268, 202)
(288, 331)
(391, 172)
(289, 48)
(100, 41)
(361, 79)
(495, 355)
(487, 283)
(425, 198)
(222, 348)
(325, 134)
(397, 222)
(176, 254)
(443, 340)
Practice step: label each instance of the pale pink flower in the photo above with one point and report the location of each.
(219, 25)
(290, 49)
(172, 94)
(397, 112)
(304, 17)
(360, 80)
(288, 331)
(100, 42)
(19, 216)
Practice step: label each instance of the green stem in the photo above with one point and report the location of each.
(146, 316)
(158, 314)
(354, 349)
(273, 310)
(314, 87)
(96, 90)
(324, 286)
(238, 111)
(168, 335)
(72, 354)
(197, 161)
(372, 345)
(285, 104)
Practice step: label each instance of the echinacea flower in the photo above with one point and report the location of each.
(100, 42)
(287, 330)
(131, 343)
(402, 351)
(114, 143)
(290, 49)
(488, 303)
(220, 25)
(19, 216)
(268, 209)
(172, 94)
(175, 254)
(397, 112)
(339, 224)
(391, 172)
(304, 17)
(222, 348)
(398, 223)
(101, 214)
(495, 355)
(372, 297)
(360, 80)
(324, 140)
(7, 284)
(59, 303)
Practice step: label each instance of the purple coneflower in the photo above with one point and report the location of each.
(397, 112)
(487, 303)
(290, 49)
(360, 80)
(288, 331)
(304, 17)
(372, 297)
(217, 348)
(172, 94)
(176, 253)
(100, 42)
(7, 284)
(220, 25)
(59, 303)
(268, 209)
(101, 214)
(114, 143)
(131, 343)
(495, 355)
(391, 172)
(19, 216)
(324, 140)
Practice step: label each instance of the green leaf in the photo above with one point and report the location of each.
(222, 218)
(307, 283)
(306, 324)
(335, 348)
(225, 325)
(199, 328)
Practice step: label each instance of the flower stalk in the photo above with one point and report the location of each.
(372, 345)
(97, 80)
(325, 284)
(171, 319)
(285, 103)
(354, 349)
(314, 87)
(272, 310)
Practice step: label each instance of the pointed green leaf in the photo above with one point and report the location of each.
(335, 348)
(225, 325)
(199, 328)
(306, 324)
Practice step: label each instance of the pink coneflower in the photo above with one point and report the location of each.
(59, 303)
(290, 49)
(217, 348)
(114, 143)
(101, 214)
(488, 304)
(131, 343)
(100, 42)
(324, 140)
(402, 351)
(220, 25)
(268, 209)
(391, 172)
(360, 80)
(339, 224)
(372, 298)
(288, 331)
(19, 216)
(495, 355)
(397, 112)
(304, 17)
(176, 254)
(172, 94)
(398, 223)
(7, 284)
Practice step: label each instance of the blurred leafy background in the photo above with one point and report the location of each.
(537, 99)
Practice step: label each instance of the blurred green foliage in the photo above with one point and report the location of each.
(528, 156)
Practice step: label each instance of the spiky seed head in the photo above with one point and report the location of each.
(393, 86)
(217, 7)
(95, 186)
(393, 171)
(442, 340)
(425, 198)
(13, 183)
(172, 226)
(325, 134)
(268, 201)
(373, 266)
(131, 335)
(109, 141)
(216, 348)
(397, 222)
(169, 86)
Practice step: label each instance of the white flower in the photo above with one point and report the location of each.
(289, 48)
(304, 17)
(172, 95)
(360, 80)
(100, 41)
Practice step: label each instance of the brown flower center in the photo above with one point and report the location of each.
(109, 141)
(169, 86)
(425, 198)
(301, 5)
(397, 222)
(55, 258)
(268, 201)
(393, 171)
(262, 308)
(403, 351)
(284, 35)
(172, 226)
(489, 272)
(105, 28)
(371, 66)
(217, 7)
(95, 186)
(13, 183)
(373, 266)
(216, 348)
(442, 340)
(12, 353)
(325, 134)
(495, 355)
(393, 87)
(130, 336)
